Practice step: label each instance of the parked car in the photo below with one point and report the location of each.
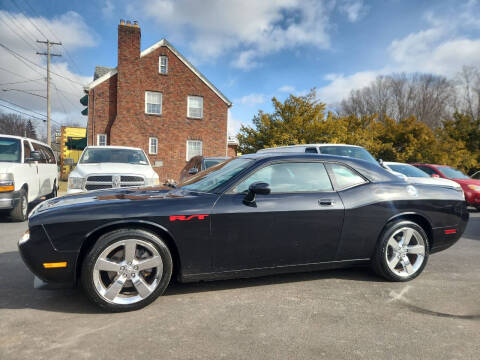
(199, 163)
(105, 167)
(253, 215)
(471, 187)
(352, 151)
(414, 175)
(28, 172)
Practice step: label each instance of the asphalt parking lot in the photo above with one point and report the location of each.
(343, 314)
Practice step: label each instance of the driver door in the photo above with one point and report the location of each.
(298, 223)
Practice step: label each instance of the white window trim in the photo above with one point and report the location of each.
(160, 64)
(161, 102)
(150, 152)
(188, 107)
(187, 158)
(98, 139)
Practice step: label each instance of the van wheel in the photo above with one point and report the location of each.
(20, 211)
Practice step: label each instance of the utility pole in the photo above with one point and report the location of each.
(48, 54)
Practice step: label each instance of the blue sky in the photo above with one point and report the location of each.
(250, 49)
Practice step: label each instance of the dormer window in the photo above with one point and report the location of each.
(163, 64)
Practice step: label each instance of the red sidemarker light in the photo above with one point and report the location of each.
(450, 231)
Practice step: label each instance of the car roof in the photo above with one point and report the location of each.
(431, 165)
(24, 138)
(395, 163)
(277, 148)
(373, 172)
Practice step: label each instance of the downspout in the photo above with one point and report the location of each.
(93, 118)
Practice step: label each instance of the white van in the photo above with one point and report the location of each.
(28, 171)
(352, 151)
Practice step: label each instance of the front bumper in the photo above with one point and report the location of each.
(472, 197)
(37, 250)
(8, 200)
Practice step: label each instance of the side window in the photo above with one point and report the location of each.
(311, 150)
(345, 177)
(428, 170)
(38, 147)
(26, 150)
(50, 157)
(290, 177)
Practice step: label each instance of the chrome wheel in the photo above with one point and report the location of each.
(127, 271)
(405, 252)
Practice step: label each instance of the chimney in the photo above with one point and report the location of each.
(128, 43)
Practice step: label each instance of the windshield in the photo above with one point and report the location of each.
(10, 150)
(452, 173)
(348, 151)
(123, 156)
(408, 170)
(217, 175)
(211, 162)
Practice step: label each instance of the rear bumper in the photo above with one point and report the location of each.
(38, 250)
(8, 200)
(444, 237)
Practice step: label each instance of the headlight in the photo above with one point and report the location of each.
(474, 187)
(25, 237)
(6, 182)
(152, 181)
(75, 182)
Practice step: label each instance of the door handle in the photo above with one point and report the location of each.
(326, 202)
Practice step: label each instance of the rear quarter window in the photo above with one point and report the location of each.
(345, 177)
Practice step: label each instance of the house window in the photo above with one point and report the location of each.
(153, 147)
(102, 139)
(194, 148)
(153, 102)
(195, 107)
(163, 64)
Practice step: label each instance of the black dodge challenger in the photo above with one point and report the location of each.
(250, 216)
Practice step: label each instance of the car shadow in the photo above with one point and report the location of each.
(18, 291)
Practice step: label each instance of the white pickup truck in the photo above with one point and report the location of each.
(28, 171)
(105, 167)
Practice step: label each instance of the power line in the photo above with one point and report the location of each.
(26, 92)
(19, 82)
(30, 21)
(22, 107)
(41, 67)
(21, 112)
(14, 73)
(15, 32)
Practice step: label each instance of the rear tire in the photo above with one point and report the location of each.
(126, 270)
(402, 251)
(20, 211)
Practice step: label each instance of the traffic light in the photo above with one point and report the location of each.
(84, 102)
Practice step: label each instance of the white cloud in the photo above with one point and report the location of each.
(233, 124)
(250, 28)
(440, 48)
(353, 9)
(69, 28)
(251, 99)
(287, 89)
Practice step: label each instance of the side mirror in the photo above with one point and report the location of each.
(34, 156)
(435, 176)
(192, 171)
(260, 188)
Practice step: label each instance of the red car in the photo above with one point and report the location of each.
(471, 187)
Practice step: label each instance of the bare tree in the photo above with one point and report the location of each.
(426, 96)
(13, 124)
(467, 86)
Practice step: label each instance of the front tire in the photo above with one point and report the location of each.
(402, 251)
(126, 270)
(20, 211)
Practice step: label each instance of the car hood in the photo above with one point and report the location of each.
(83, 170)
(433, 181)
(92, 198)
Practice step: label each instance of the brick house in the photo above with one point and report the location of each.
(156, 100)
